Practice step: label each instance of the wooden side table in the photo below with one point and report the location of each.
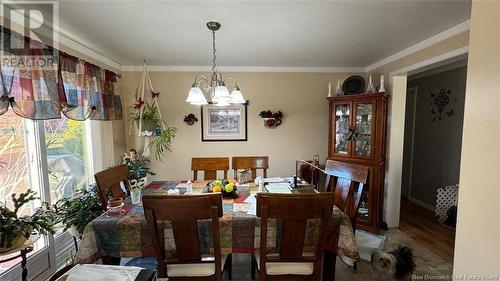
(23, 250)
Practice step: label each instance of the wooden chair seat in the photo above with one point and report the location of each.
(194, 269)
(283, 268)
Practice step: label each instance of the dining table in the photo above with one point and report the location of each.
(127, 236)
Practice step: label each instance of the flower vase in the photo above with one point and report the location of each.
(74, 231)
(135, 196)
(271, 122)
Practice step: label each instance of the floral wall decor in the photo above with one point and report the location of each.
(441, 104)
(271, 120)
(190, 119)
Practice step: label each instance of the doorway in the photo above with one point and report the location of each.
(431, 155)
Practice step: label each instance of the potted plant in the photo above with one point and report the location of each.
(75, 213)
(153, 125)
(271, 120)
(138, 167)
(150, 116)
(15, 228)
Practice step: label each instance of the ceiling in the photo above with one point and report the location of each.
(256, 33)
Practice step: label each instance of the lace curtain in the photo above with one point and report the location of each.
(41, 83)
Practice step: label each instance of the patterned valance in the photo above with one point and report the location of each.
(42, 83)
(91, 91)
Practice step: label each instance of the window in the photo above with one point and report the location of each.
(50, 157)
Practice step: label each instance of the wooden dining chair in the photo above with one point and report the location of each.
(346, 181)
(184, 211)
(109, 182)
(293, 211)
(251, 163)
(209, 166)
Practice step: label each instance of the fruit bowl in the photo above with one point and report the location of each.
(228, 188)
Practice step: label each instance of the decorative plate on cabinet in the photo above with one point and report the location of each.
(353, 85)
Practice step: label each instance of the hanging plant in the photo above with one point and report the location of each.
(148, 118)
(271, 120)
(163, 142)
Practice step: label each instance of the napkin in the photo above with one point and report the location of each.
(98, 272)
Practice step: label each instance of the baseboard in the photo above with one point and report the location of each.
(422, 204)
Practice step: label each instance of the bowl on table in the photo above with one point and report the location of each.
(115, 211)
(228, 188)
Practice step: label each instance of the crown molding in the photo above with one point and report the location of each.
(409, 70)
(179, 68)
(450, 32)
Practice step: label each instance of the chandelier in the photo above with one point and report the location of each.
(215, 87)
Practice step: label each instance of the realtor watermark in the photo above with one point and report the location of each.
(455, 277)
(36, 20)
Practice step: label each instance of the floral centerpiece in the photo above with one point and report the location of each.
(138, 167)
(15, 228)
(227, 187)
(75, 213)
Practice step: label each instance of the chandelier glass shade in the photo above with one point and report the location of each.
(215, 87)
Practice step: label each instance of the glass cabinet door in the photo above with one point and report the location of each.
(363, 135)
(342, 124)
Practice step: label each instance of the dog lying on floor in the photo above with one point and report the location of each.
(393, 266)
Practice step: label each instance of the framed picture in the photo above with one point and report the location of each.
(227, 123)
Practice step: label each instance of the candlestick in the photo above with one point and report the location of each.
(329, 89)
(381, 89)
(338, 91)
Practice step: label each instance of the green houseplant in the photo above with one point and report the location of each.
(138, 167)
(76, 213)
(163, 142)
(148, 114)
(15, 228)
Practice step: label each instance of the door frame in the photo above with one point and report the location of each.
(396, 109)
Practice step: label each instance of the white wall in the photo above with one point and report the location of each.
(477, 246)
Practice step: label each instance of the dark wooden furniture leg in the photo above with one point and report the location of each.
(254, 266)
(24, 252)
(329, 260)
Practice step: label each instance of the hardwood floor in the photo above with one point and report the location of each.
(422, 225)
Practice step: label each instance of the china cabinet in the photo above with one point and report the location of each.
(357, 134)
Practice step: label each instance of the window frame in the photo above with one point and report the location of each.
(44, 262)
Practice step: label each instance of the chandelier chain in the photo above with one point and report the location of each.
(214, 70)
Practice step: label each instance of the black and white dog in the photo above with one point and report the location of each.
(393, 266)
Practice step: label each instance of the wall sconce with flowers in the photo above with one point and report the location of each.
(190, 119)
(271, 120)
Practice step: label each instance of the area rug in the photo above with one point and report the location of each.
(428, 265)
